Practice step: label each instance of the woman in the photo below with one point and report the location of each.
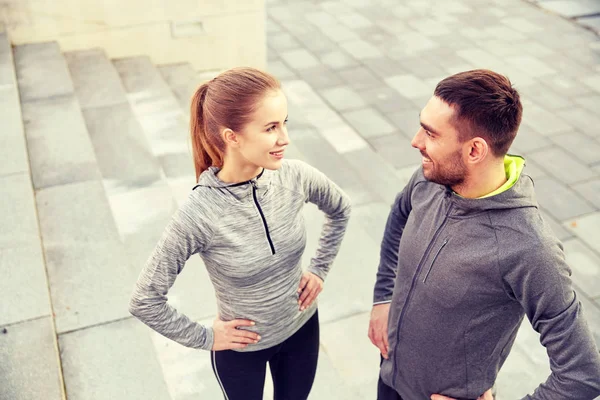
(245, 220)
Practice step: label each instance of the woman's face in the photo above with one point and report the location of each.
(264, 139)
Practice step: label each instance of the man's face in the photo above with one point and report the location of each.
(438, 142)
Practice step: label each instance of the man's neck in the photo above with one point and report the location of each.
(482, 181)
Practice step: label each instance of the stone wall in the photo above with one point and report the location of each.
(210, 34)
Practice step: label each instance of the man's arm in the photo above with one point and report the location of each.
(388, 263)
(542, 284)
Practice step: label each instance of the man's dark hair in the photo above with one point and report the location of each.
(485, 104)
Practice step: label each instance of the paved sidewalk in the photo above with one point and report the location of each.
(357, 73)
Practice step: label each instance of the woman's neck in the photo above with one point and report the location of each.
(235, 173)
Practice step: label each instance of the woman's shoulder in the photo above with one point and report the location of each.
(203, 205)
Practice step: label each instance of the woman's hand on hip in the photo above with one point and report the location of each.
(227, 335)
(310, 287)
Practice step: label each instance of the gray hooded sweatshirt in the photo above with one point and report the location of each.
(251, 237)
(461, 274)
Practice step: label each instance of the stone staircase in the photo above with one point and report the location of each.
(95, 159)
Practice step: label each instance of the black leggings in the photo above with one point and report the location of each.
(293, 364)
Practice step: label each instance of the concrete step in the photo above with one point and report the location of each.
(27, 332)
(112, 361)
(29, 367)
(181, 78)
(59, 148)
(184, 80)
(13, 151)
(163, 124)
(161, 116)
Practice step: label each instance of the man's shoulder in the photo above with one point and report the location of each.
(523, 230)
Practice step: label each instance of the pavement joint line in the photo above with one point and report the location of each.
(348, 316)
(573, 20)
(13, 174)
(56, 185)
(51, 97)
(587, 180)
(100, 107)
(83, 328)
(23, 321)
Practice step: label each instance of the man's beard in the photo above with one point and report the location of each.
(450, 172)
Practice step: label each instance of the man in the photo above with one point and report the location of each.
(466, 255)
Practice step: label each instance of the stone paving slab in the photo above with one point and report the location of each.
(87, 219)
(587, 228)
(591, 310)
(18, 218)
(528, 141)
(13, 150)
(560, 231)
(41, 71)
(7, 69)
(112, 361)
(90, 284)
(29, 367)
(585, 265)
(359, 267)
(378, 175)
(95, 80)
(157, 109)
(139, 74)
(534, 170)
(396, 150)
(562, 165)
(368, 122)
(579, 145)
(525, 368)
(357, 368)
(188, 373)
(320, 76)
(178, 77)
(323, 157)
(23, 287)
(570, 8)
(59, 148)
(121, 148)
(590, 191)
(90, 276)
(560, 201)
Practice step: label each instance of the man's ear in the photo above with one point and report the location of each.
(230, 138)
(478, 150)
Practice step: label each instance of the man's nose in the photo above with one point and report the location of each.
(417, 140)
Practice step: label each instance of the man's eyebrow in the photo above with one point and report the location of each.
(428, 128)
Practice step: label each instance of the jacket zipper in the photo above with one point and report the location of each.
(262, 216)
(434, 258)
(412, 286)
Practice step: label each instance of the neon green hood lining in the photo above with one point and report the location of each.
(513, 165)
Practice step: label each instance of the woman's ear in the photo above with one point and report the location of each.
(230, 138)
